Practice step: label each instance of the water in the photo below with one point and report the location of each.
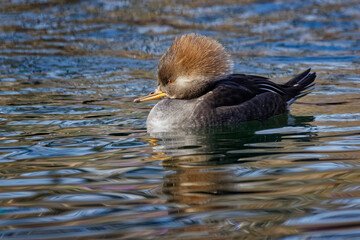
(77, 162)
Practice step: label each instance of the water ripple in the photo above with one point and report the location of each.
(76, 161)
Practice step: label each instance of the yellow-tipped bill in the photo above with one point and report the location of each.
(154, 95)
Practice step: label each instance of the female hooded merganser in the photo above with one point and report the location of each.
(196, 78)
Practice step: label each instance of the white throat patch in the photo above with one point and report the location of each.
(183, 80)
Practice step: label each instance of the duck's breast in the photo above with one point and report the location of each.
(169, 114)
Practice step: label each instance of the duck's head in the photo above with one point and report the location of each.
(191, 65)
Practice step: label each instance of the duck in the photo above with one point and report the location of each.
(198, 88)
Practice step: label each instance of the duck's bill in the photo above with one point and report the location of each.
(154, 95)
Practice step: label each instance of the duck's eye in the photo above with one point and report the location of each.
(170, 81)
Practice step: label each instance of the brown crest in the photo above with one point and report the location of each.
(194, 56)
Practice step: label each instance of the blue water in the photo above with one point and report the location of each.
(76, 159)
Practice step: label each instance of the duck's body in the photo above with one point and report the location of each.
(195, 76)
(239, 98)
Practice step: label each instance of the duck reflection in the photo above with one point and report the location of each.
(230, 178)
(204, 162)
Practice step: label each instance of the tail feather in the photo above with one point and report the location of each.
(299, 86)
(297, 78)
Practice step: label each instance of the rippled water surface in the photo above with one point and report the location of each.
(76, 160)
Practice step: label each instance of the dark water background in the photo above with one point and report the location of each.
(76, 161)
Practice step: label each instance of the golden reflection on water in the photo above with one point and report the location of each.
(76, 161)
(201, 184)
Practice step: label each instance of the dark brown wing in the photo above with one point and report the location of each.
(240, 97)
(239, 88)
(260, 107)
